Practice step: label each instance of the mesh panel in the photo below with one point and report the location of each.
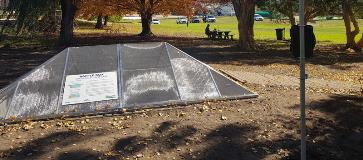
(147, 74)
(149, 86)
(90, 59)
(227, 87)
(6, 96)
(193, 78)
(136, 56)
(37, 94)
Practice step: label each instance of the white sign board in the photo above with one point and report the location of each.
(90, 88)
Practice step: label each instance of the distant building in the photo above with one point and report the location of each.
(4, 4)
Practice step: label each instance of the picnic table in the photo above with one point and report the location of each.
(225, 34)
(220, 34)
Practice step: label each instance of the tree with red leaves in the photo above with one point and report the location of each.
(147, 8)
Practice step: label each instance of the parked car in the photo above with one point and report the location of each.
(181, 20)
(210, 18)
(195, 19)
(258, 17)
(155, 21)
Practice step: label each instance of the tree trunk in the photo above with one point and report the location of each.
(245, 10)
(348, 17)
(68, 12)
(106, 20)
(99, 24)
(360, 42)
(52, 15)
(146, 24)
(292, 19)
(290, 12)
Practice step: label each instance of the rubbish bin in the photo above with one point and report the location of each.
(280, 33)
(310, 41)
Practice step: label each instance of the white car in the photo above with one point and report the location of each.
(210, 19)
(258, 17)
(155, 21)
(181, 20)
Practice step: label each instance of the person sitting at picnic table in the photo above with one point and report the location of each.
(207, 31)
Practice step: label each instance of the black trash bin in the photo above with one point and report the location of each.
(310, 41)
(280, 33)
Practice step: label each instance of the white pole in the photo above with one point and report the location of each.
(302, 79)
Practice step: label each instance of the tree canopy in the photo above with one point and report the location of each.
(39, 15)
(89, 8)
(33, 15)
(147, 8)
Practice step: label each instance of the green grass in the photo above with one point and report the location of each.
(327, 32)
(332, 31)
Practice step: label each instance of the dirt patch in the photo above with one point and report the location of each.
(315, 84)
(262, 128)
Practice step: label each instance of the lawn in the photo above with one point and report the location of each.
(327, 32)
(332, 31)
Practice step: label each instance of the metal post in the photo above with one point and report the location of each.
(302, 79)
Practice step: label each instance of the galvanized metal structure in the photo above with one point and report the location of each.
(148, 75)
(303, 76)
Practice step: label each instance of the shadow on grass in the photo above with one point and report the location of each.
(34, 42)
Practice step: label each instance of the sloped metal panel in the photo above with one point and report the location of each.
(147, 75)
(92, 59)
(229, 88)
(6, 95)
(86, 60)
(38, 93)
(143, 56)
(193, 78)
(149, 86)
